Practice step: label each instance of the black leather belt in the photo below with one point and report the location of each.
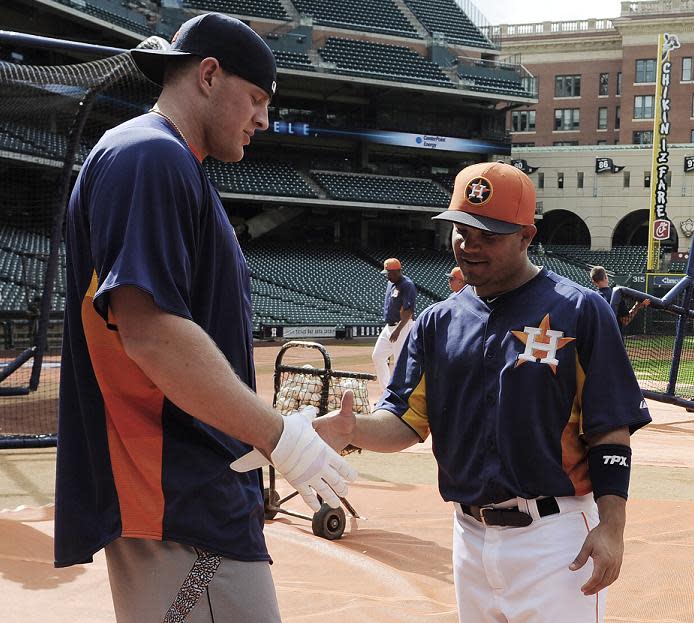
(393, 324)
(510, 516)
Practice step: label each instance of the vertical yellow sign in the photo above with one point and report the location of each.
(658, 222)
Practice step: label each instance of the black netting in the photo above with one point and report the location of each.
(650, 338)
(50, 117)
(322, 388)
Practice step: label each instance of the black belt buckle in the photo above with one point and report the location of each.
(504, 517)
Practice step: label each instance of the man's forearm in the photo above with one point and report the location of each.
(185, 364)
(383, 432)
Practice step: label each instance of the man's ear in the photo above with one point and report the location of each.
(208, 69)
(528, 232)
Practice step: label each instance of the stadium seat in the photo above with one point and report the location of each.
(381, 189)
(447, 17)
(363, 15)
(269, 9)
(378, 60)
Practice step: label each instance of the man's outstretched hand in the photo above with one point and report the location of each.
(337, 427)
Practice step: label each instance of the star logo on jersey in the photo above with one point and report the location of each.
(479, 190)
(541, 344)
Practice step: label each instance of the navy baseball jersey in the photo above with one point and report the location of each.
(400, 295)
(130, 463)
(508, 388)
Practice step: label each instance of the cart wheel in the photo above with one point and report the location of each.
(270, 498)
(329, 523)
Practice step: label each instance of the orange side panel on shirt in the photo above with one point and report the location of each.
(133, 407)
(574, 450)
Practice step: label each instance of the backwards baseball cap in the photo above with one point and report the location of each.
(392, 263)
(493, 196)
(237, 47)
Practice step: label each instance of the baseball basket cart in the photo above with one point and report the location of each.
(295, 388)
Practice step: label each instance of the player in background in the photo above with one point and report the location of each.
(157, 386)
(526, 389)
(398, 311)
(598, 276)
(456, 281)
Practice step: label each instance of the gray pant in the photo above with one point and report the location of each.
(167, 582)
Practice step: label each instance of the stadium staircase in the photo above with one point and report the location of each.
(290, 10)
(422, 32)
(447, 17)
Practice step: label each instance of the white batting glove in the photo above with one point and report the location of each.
(308, 464)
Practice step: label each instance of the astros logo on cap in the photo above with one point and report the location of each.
(479, 190)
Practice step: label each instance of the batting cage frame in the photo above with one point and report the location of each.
(322, 388)
(77, 88)
(651, 348)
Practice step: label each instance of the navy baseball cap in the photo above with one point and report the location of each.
(238, 48)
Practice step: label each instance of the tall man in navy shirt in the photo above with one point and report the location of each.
(157, 386)
(524, 384)
(398, 310)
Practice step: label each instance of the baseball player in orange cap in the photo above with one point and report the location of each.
(523, 382)
(398, 310)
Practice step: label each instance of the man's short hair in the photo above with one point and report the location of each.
(598, 273)
(176, 67)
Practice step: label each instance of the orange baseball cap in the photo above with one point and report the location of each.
(493, 196)
(456, 273)
(392, 263)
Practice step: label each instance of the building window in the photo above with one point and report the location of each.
(602, 118)
(540, 180)
(567, 86)
(579, 179)
(692, 105)
(617, 117)
(523, 144)
(604, 84)
(619, 83)
(643, 106)
(691, 137)
(645, 70)
(627, 179)
(560, 180)
(686, 69)
(646, 179)
(602, 142)
(566, 118)
(642, 137)
(523, 121)
(565, 143)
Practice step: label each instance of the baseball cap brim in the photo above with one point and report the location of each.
(478, 222)
(152, 63)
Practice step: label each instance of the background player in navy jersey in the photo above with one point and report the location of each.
(157, 380)
(398, 310)
(524, 384)
(598, 276)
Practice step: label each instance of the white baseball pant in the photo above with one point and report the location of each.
(384, 349)
(521, 575)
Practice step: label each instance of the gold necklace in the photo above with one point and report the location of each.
(155, 109)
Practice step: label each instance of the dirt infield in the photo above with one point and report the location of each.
(393, 566)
